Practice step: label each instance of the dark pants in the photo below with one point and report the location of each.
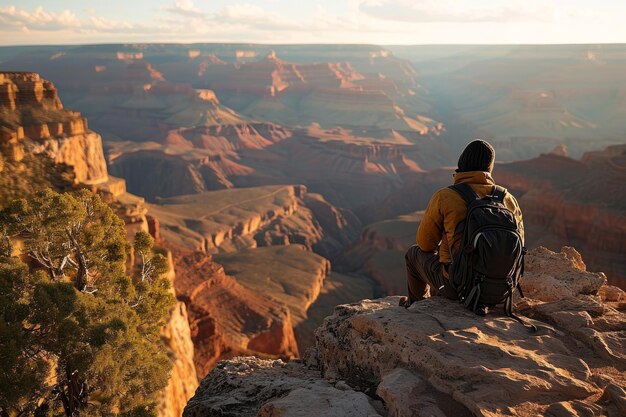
(423, 270)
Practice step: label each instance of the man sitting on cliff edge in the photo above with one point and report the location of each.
(428, 262)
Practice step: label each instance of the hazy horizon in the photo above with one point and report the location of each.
(314, 44)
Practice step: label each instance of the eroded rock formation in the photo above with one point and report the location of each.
(240, 218)
(575, 202)
(33, 120)
(183, 379)
(226, 318)
(349, 170)
(437, 358)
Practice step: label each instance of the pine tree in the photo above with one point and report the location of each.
(36, 172)
(78, 334)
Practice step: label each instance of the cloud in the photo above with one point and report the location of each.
(182, 21)
(108, 25)
(253, 16)
(363, 21)
(234, 17)
(454, 11)
(185, 8)
(39, 19)
(13, 20)
(247, 20)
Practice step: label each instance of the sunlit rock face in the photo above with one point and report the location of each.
(183, 380)
(34, 120)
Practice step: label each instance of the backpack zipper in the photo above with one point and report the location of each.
(481, 233)
(492, 227)
(478, 235)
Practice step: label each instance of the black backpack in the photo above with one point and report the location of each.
(488, 266)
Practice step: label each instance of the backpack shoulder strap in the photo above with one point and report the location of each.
(498, 193)
(465, 191)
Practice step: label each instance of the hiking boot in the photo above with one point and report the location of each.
(482, 311)
(404, 302)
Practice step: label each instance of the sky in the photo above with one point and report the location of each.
(383, 22)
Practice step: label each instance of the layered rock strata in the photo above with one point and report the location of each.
(575, 202)
(235, 219)
(226, 318)
(379, 252)
(349, 170)
(34, 120)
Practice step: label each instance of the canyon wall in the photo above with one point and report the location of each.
(576, 201)
(248, 271)
(350, 171)
(227, 319)
(183, 379)
(34, 121)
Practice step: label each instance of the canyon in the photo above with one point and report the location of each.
(526, 98)
(283, 181)
(222, 311)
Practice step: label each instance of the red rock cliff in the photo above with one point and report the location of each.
(575, 202)
(227, 319)
(34, 120)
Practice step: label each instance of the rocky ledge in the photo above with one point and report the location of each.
(374, 358)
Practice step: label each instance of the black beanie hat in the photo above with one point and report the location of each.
(478, 155)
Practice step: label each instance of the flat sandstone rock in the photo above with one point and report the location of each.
(248, 387)
(437, 358)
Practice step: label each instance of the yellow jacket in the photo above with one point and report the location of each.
(447, 208)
